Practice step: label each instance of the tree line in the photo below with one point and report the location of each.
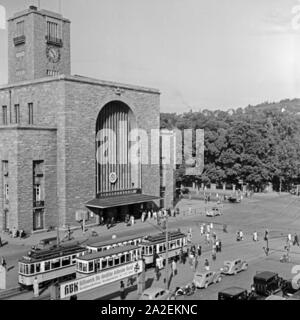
(257, 144)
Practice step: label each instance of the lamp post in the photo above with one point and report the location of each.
(167, 255)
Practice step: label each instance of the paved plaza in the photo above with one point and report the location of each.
(278, 213)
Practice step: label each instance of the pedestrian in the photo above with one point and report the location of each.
(214, 254)
(154, 215)
(143, 216)
(207, 238)
(224, 228)
(201, 229)
(289, 238)
(255, 236)
(208, 228)
(199, 249)
(266, 238)
(211, 226)
(220, 246)
(296, 240)
(206, 265)
(217, 245)
(149, 214)
(174, 268)
(122, 290)
(132, 220)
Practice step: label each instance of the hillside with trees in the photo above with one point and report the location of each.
(256, 144)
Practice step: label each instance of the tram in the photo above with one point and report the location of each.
(154, 245)
(113, 260)
(113, 243)
(58, 262)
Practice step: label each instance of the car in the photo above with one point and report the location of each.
(233, 293)
(266, 283)
(156, 294)
(234, 199)
(234, 266)
(204, 279)
(215, 211)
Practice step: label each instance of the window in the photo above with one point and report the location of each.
(52, 73)
(52, 30)
(30, 113)
(66, 261)
(20, 29)
(122, 258)
(110, 262)
(91, 266)
(55, 264)
(117, 261)
(17, 113)
(37, 189)
(4, 115)
(84, 267)
(32, 268)
(104, 263)
(47, 265)
(38, 267)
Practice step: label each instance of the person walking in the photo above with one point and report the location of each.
(199, 250)
(122, 290)
(36, 290)
(174, 268)
(206, 265)
(214, 254)
(255, 238)
(201, 229)
(3, 262)
(296, 240)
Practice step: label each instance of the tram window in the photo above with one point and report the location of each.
(97, 265)
(117, 261)
(123, 258)
(74, 259)
(32, 269)
(110, 262)
(66, 261)
(91, 266)
(55, 263)
(38, 267)
(151, 250)
(21, 268)
(26, 269)
(104, 263)
(79, 266)
(84, 267)
(128, 257)
(47, 265)
(143, 250)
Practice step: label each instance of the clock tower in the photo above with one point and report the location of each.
(38, 45)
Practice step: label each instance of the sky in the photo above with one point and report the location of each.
(201, 54)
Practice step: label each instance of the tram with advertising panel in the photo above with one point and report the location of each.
(108, 260)
(156, 245)
(113, 243)
(56, 263)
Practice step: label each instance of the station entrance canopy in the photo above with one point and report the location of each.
(119, 200)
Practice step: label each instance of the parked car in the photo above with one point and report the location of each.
(204, 279)
(213, 212)
(156, 294)
(233, 293)
(267, 283)
(234, 266)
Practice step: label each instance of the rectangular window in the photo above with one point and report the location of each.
(17, 113)
(52, 30)
(4, 115)
(52, 73)
(20, 29)
(66, 261)
(47, 265)
(30, 113)
(37, 188)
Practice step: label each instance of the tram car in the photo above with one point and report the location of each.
(113, 243)
(56, 263)
(112, 260)
(156, 245)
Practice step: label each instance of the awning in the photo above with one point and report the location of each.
(119, 200)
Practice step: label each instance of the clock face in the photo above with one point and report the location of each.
(53, 54)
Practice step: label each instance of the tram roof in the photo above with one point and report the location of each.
(161, 237)
(111, 252)
(53, 252)
(116, 240)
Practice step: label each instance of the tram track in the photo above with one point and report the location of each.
(9, 293)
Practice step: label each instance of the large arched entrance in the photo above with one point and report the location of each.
(116, 173)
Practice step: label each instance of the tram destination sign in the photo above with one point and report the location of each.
(80, 285)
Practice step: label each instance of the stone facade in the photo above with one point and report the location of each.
(63, 132)
(63, 136)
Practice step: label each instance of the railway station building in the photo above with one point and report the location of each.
(50, 135)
